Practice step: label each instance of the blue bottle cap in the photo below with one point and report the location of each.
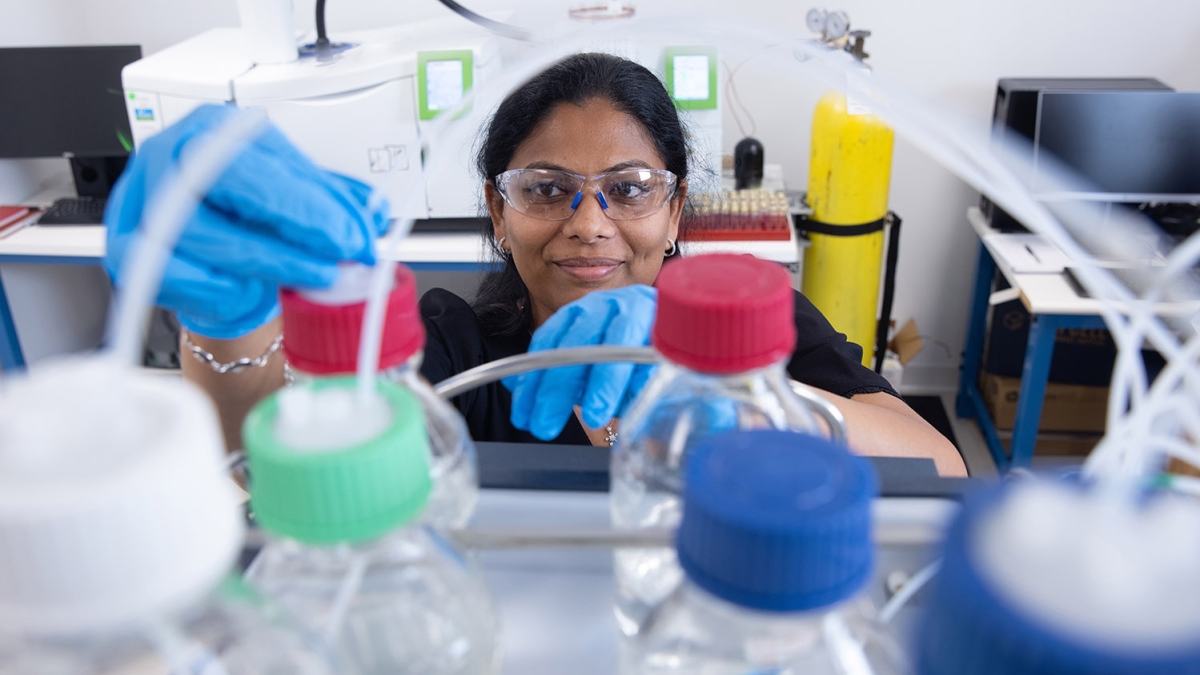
(777, 520)
(969, 627)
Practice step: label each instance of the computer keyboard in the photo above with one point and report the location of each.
(75, 211)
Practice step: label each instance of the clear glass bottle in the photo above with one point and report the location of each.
(340, 483)
(118, 531)
(321, 339)
(776, 545)
(226, 633)
(725, 325)
(1043, 577)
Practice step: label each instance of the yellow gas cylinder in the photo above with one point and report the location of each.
(848, 178)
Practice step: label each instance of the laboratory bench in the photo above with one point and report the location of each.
(555, 602)
(1053, 303)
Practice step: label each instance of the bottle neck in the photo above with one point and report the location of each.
(751, 618)
(773, 373)
(337, 555)
(408, 368)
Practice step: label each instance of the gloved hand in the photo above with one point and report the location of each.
(544, 400)
(272, 219)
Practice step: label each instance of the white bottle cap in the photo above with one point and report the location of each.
(114, 500)
(353, 286)
(1096, 566)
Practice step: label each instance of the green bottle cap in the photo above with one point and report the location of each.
(321, 490)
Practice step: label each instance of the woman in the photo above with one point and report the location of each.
(585, 178)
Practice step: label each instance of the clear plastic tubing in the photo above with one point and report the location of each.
(322, 328)
(339, 487)
(573, 356)
(993, 167)
(119, 528)
(167, 212)
(776, 547)
(725, 326)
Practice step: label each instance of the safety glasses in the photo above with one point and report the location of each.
(548, 194)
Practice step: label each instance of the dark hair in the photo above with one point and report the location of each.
(502, 302)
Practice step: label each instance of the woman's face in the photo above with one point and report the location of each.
(563, 260)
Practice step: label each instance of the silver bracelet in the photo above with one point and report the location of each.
(233, 366)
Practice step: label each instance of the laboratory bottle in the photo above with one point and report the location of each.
(321, 339)
(775, 544)
(119, 529)
(339, 482)
(1044, 577)
(725, 329)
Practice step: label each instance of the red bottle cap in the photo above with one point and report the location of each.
(323, 339)
(724, 313)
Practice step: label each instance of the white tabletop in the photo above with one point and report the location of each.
(787, 252)
(452, 248)
(1041, 293)
(87, 241)
(66, 241)
(1052, 293)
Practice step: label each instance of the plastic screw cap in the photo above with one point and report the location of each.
(114, 500)
(724, 313)
(777, 520)
(970, 626)
(321, 336)
(341, 494)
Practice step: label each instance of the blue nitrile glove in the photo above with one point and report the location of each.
(272, 219)
(543, 400)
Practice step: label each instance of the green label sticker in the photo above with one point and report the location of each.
(692, 77)
(443, 79)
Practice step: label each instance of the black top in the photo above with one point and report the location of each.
(455, 342)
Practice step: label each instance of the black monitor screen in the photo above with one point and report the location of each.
(64, 101)
(1128, 142)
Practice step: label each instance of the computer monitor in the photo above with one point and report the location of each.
(1126, 146)
(1016, 111)
(68, 102)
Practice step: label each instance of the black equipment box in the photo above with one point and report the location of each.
(1016, 112)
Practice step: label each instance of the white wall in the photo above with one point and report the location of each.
(950, 51)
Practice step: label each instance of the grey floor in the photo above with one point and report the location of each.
(970, 442)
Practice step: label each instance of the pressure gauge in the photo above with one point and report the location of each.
(815, 20)
(837, 24)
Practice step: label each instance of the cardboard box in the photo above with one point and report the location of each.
(1080, 356)
(1057, 444)
(1183, 468)
(1066, 407)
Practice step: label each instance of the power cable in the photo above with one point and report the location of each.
(497, 27)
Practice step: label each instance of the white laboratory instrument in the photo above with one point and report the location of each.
(365, 112)
(367, 109)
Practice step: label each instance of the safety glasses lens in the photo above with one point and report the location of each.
(554, 195)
